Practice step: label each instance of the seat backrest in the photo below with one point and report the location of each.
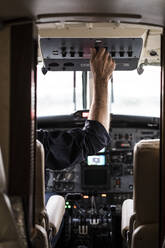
(40, 185)
(9, 236)
(163, 243)
(2, 175)
(140, 216)
(50, 216)
(146, 182)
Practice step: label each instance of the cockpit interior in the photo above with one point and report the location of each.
(111, 199)
(95, 190)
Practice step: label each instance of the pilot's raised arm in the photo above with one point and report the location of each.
(66, 148)
(102, 67)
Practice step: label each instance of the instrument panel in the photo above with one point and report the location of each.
(95, 189)
(111, 170)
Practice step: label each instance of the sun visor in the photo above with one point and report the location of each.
(73, 54)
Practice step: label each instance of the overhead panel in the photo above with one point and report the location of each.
(73, 54)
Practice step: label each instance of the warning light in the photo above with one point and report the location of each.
(67, 205)
(125, 145)
(103, 195)
(85, 114)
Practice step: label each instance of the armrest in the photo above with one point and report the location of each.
(39, 238)
(127, 213)
(55, 209)
(146, 236)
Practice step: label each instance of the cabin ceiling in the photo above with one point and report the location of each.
(84, 17)
(150, 34)
(141, 11)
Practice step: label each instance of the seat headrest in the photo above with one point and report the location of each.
(2, 175)
(146, 181)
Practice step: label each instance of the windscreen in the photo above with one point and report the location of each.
(131, 93)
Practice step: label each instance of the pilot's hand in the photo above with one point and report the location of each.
(102, 64)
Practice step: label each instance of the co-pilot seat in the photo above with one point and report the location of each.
(140, 216)
(47, 219)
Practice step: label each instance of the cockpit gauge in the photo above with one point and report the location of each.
(69, 176)
(59, 176)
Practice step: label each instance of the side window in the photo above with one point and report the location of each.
(137, 94)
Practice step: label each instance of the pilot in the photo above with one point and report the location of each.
(67, 148)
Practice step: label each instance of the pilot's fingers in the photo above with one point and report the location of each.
(93, 53)
(100, 53)
(107, 59)
(110, 60)
(106, 56)
(112, 63)
(109, 66)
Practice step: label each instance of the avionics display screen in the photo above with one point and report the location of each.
(97, 178)
(96, 160)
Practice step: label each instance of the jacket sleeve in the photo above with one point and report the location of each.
(67, 148)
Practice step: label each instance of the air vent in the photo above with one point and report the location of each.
(68, 64)
(53, 64)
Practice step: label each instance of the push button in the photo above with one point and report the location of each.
(131, 187)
